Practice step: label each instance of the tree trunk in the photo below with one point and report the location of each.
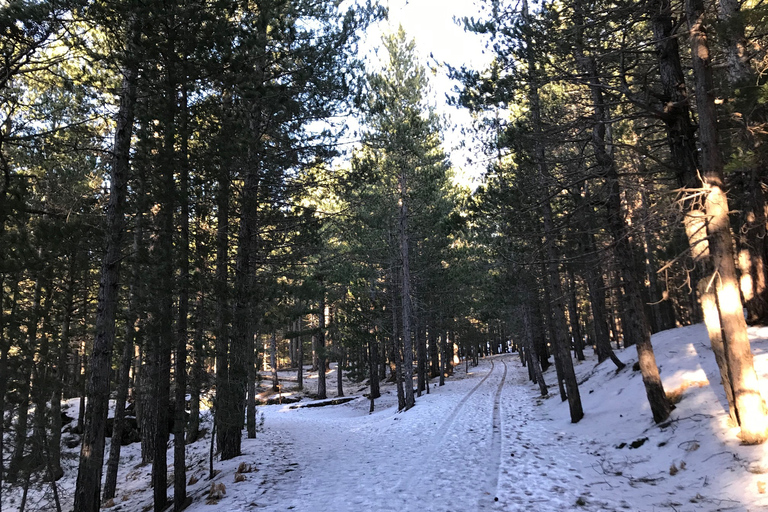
(182, 334)
(534, 365)
(575, 321)
(434, 352)
(443, 356)
(300, 357)
(750, 407)
(636, 330)
(596, 289)
(221, 292)
(341, 356)
(61, 365)
(421, 357)
(5, 345)
(373, 355)
(118, 426)
(715, 332)
(250, 406)
(161, 321)
(198, 371)
(273, 361)
(405, 293)
(20, 437)
(539, 336)
(550, 322)
(231, 430)
(397, 355)
(753, 247)
(88, 487)
(560, 328)
(321, 356)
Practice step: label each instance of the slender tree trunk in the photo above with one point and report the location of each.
(314, 355)
(25, 388)
(40, 383)
(300, 357)
(5, 345)
(273, 361)
(596, 289)
(421, 356)
(550, 323)
(560, 329)
(373, 367)
(752, 241)
(61, 365)
(434, 352)
(405, 293)
(534, 366)
(341, 355)
(750, 407)
(250, 406)
(182, 334)
(321, 356)
(118, 426)
(736, 44)
(221, 291)
(198, 370)
(636, 330)
(573, 313)
(443, 356)
(162, 319)
(397, 355)
(87, 491)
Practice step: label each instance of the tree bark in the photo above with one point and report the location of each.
(182, 334)
(250, 406)
(636, 330)
(434, 352)
(341, 362)
(534, 366)
(405, 292)
(88, 487)
(575, 321)
(322, 391)
(221, 292)
(273, 361)
(596, 289)
(300, 357)
(750, 407)
(118, 426)
(560, 329)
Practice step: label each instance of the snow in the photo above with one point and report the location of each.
(487, 441)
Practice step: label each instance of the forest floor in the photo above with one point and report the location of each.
(484, 441)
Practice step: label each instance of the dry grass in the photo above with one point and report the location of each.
(676, 395)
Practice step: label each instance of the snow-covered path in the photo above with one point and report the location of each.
(466, 446)
(407, 461)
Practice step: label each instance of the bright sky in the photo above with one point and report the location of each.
(431, 24)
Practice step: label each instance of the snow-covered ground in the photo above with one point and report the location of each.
(487, 441)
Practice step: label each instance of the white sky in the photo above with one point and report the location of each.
(430, 23)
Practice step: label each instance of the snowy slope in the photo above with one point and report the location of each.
(487, 441)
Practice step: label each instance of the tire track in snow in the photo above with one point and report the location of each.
(437, 438)
(495, 451)
(440, 434)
